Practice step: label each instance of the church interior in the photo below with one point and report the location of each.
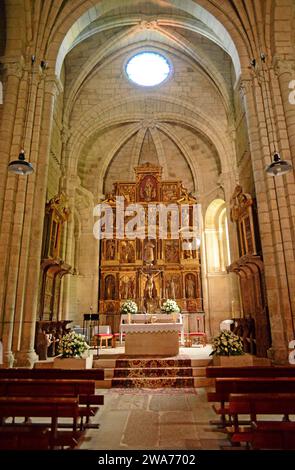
(147, 224)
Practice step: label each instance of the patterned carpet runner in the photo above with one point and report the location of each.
(153, 373)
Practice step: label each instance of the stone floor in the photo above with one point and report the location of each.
(154, 419)
(195, 352)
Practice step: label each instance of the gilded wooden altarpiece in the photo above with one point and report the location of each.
(249, 268)
(149, 270)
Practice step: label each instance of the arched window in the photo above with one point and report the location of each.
(217, 239)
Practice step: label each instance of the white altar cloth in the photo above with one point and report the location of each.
(159, 337)
(151, 327)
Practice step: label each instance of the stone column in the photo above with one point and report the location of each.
(69, 187)
(13, 73)
(26, 355)
(13, 217)
(285, 72)
(88, 263)
(268, 214)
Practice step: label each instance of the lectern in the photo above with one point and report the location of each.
(90, 320)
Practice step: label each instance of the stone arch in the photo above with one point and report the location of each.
(196, 56)
(216, 235)
(183, 113)
(212, 17)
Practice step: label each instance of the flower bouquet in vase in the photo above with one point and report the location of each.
(129, 307)
(171, 307)
(73, 352)
(228, 351)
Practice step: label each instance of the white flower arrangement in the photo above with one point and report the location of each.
(129, 307)
(227, 344)
(170, 306)
(72, 344)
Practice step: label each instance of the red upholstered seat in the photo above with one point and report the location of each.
(202, 337)
(104, 334)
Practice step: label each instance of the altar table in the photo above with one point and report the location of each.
(159, 338)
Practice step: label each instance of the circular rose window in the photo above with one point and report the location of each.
(148, 69)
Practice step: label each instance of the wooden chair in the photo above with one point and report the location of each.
(199, 336)
(104, 335)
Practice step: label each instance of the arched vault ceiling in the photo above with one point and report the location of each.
(184, 154)
(107, 8)
(91, 56)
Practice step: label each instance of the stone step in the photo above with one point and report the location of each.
(109, 373)
(146, 383)
(153, 372)
(106, 383)
(153, 382)
(113, 363)
(203, 382)
(152, 363)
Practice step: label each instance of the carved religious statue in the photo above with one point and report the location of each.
(148, 190)
(190, 287)
(127, 288)
(188, 252)
(172, 289)
(109, 290)
(127, 252)
(110, 249)
(148, 254)
(150, 291)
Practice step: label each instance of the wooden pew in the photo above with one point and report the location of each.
(83, 389)
(273, 435)
(225, 386)
(70, 374)
(263, 434)
(46, 407)
(25, 438)
(250, 371)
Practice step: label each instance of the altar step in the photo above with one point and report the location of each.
(153, 373)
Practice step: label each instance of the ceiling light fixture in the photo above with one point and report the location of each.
(21, 166)
(278, 166)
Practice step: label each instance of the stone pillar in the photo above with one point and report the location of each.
(88, 264)
(269, 215)
(13, 73)
(14, 209)
(285, 72)
(69, 187)
(26, 355)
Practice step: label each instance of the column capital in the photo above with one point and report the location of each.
(53, 84)
(245, 85)
(282, 66)
(13, 67)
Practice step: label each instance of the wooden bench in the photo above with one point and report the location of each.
(25, 438)
(225, 386)
(263, 433)
(83, 389)
(46, 407)
(273, 435)
(250, 371)
(70, 374)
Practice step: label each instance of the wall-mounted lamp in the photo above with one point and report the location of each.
(21, 166)
(278, 166)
